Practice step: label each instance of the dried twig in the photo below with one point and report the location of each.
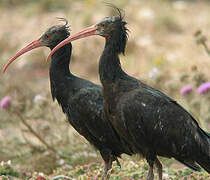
(18, 114)
(201, 39)
(206, 48)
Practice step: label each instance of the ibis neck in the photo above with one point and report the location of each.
(109, 66)
(59, 67)
(60, 76)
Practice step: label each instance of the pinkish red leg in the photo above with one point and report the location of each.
(159, 168)
(150, 175)
(108, 166)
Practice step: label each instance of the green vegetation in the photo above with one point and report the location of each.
(130, 170)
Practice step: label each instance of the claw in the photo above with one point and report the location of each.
(107, 167)
(118, 163)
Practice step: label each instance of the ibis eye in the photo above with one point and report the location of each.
(103, 25)
(47, 36)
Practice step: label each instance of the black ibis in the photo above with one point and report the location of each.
(149, 121)
(80, 99)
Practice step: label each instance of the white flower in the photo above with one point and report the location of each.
(146, 13)
(9, 162)
(61, 162)
(2, 163)
(37, 98)
(153, 72)
(165, 175)
(133, 163)
(41, 174)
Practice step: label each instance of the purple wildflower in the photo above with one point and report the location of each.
(186, 89)
(5, 102)
(205, 87)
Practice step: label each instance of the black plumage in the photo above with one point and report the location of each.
(150, 122)
(80, 99)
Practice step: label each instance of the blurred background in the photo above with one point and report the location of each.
(167, 48)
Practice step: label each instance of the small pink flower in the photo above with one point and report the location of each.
(5, 102)
(205, 87)
(186, 89)
(37, 98)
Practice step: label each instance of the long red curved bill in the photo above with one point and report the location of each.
(92, 30)
(29, 47)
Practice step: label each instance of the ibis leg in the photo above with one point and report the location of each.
(150, 175)
(159, 168)
(108, 166)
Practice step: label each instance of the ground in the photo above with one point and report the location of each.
(162, 51)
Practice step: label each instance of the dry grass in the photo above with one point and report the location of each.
(161, 36)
